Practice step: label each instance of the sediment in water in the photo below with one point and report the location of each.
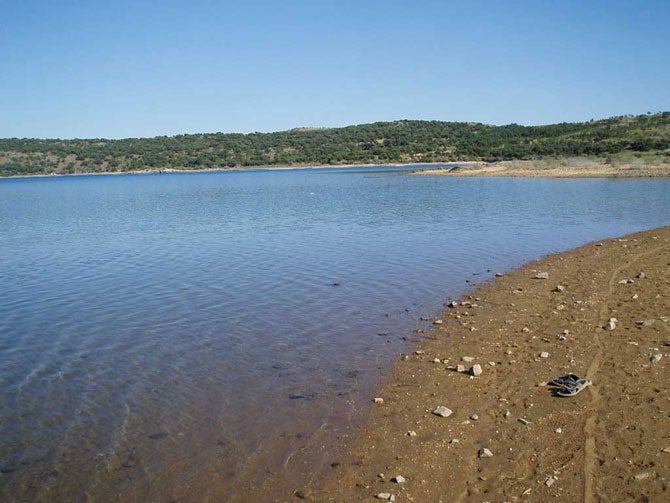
(610, 441)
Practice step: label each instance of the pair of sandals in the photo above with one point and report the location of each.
(569, 385)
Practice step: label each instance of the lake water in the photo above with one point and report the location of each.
(199, 337)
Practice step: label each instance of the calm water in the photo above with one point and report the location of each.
(181, 337)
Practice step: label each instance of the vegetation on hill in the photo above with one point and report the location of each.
(405, 141)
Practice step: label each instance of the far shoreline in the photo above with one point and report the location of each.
(543, 168)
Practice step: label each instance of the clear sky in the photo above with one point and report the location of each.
(118, 69)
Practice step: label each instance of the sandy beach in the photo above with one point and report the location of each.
(600, 312)
(554, 168)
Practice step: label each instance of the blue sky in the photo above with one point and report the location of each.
(118, 69)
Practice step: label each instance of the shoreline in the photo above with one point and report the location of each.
(570, 168)
(523, 332)
(551, 168)
(237, 170)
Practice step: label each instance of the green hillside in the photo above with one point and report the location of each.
(405, 141)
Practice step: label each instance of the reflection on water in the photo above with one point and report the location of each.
(179, 336)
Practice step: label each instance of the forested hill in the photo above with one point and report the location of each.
(405, 141)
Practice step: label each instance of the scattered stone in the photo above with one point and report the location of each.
(437, 360)
(454, 441)
(467, 359)
(411, 433)
(460, 368)
(529, 490)
(542, 384)
(405, 358)
(541, 275)
(525, 330)
(544, 354)
(559, 288)
(399, 479)
(635, 297)
(484, 453)
(550, 480)
(474, 417)
(666, 449)
(645, 323)
(640, 275)
(492, 364)
(453, 304)
(443, 411)
(379, 401)
(558, 430)
(499, 275)
(419, 352)
(524, 421)
(642, 476)
(476, 370)
(383, 496)
(507, 414)
(611, 324)
(656, 358)
(438, 322)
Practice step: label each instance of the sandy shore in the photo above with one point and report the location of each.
(571, 168)
(611, 442)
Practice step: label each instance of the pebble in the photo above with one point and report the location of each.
(453, 303)
(635, 297)
(524, 421)
(460, 368)
(443, 411)
(476, 370)
(642, 476)
(467, 359)
(384, 496)
(419, 352)
(550, 481)
(399, 479)
(437, 360)
(645, 323)
(611, 324)
(525, 330)
(656, 358)
(484, 453)
(541, 275)
(544, 354)
(454, 441)
(438, 322)
(379, 401)
(558, 430)
(640, 275)
(499, 275)
(559, 288)
(411, 433)
(474, 417)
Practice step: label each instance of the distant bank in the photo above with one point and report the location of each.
(617, 140)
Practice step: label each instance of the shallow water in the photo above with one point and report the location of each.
(181, 337)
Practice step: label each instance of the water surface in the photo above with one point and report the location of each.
(184, 337)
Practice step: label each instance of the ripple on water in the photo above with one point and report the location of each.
(154, 329)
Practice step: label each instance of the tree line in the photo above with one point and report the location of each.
(404, 141)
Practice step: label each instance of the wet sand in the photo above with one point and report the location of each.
(610, 442)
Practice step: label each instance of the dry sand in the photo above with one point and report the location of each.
(569, 168)
(611, 442)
